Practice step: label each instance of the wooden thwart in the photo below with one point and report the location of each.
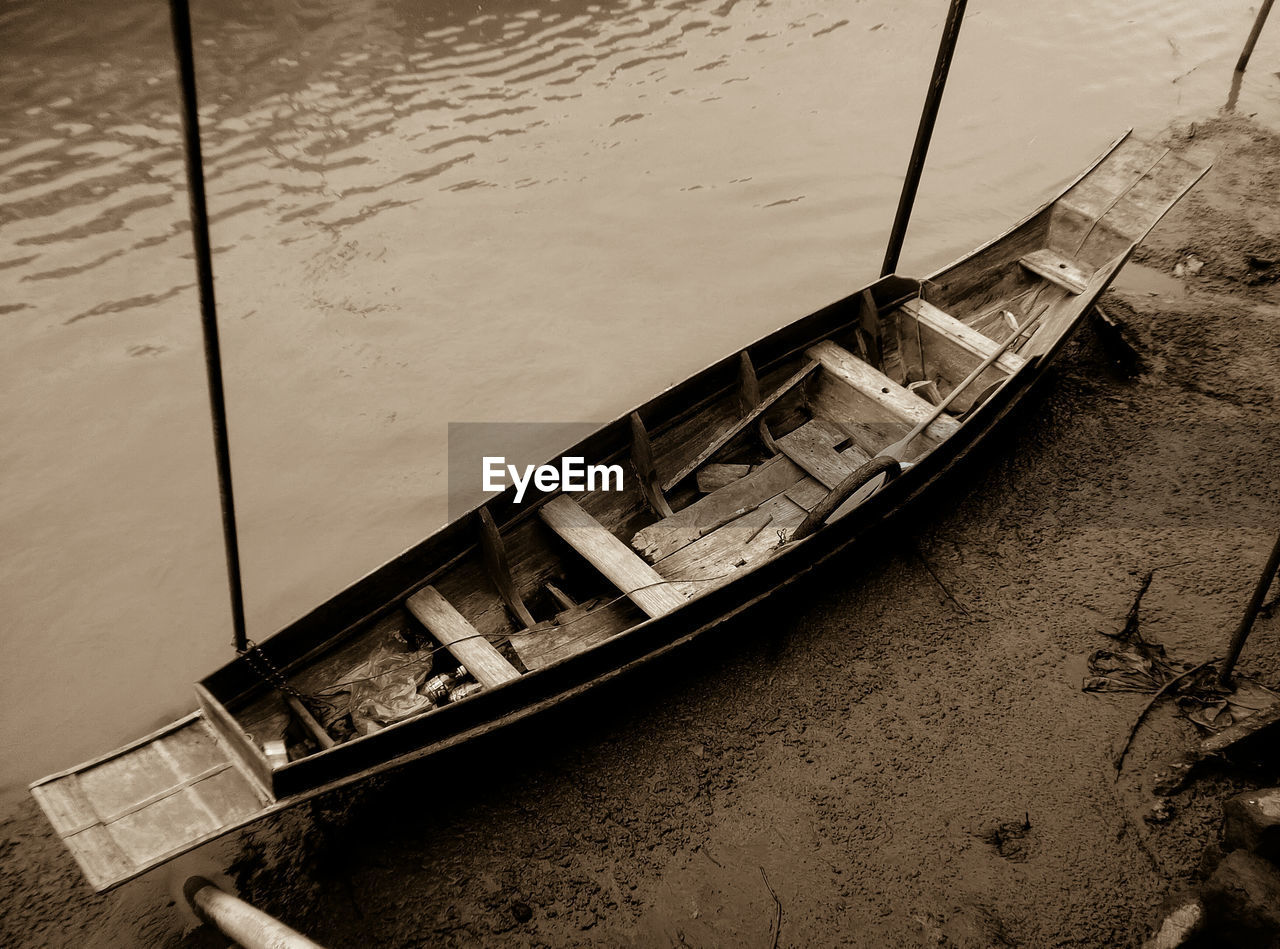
(1057, 269)
(880, 393)
(467, 645)
(610, 556)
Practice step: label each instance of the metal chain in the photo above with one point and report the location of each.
(267, 670)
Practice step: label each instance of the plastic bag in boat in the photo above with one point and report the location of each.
(384, 688)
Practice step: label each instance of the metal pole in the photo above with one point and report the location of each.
(180, 19)
(947, 46)
(1250, 613)
(240, 922)
(1253, 35)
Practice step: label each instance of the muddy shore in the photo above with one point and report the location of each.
(900, 754)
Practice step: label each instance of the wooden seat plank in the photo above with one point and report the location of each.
(878, 398)
(1056, 268)
(623, 568)
(462, 639)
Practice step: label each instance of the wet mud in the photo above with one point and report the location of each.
(896, 752)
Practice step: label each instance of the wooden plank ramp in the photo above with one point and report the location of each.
(639, 581)
(126, 812)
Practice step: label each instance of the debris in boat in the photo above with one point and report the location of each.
(277, 753)
(1161, 812)
(465, 689)
(384, 688)
(440, 687)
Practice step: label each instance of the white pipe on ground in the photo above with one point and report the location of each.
(240, 922)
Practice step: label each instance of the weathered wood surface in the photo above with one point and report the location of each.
(713, 476)
(808, 493)
(873, 407)
(133, 809)
(1056, 268)
(951, 351)
(812, 447)
(714, 559)
(610, 556)
(463, 640)
(642, 459)
(499, 568)
(308, 721)
(573, 631)
(706, 514)
(715, 444)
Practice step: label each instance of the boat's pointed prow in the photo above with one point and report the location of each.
(124, 813)
(1119, 201)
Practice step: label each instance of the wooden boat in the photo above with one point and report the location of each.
(542, 600)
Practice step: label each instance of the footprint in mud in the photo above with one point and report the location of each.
(1010, 839)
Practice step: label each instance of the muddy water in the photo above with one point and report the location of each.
(436, 213)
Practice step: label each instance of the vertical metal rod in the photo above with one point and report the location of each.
(1250, 614)
(180, 18)
(947, 46)
(1253, 35)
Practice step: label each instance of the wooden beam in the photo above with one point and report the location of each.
(499, 569)
(565, 600)
(462, 639)
(623, 568)
(880, 393)
(308, 721)
(1055, 268)
(738, 427)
